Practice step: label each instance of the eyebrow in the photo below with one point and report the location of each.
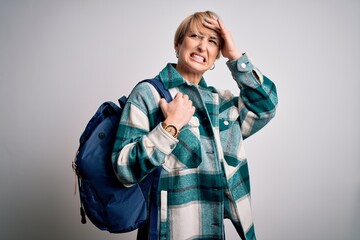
(215, 37)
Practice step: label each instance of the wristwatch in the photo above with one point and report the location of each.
(171, 129)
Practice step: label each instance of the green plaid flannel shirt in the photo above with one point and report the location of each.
(205, 175)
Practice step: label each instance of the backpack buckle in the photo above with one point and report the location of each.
(73, 164)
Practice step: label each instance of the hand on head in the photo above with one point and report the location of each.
(228, 50)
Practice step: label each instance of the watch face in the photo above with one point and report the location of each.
(172, 130)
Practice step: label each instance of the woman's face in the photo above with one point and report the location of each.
(198, 51)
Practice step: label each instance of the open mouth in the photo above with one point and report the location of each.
(198, 58)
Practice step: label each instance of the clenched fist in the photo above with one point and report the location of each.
(179, 111)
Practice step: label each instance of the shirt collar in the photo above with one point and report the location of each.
(172, 78)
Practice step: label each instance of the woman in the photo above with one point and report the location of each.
(199, 145)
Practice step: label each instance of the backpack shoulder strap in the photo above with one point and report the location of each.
(159, 86)
(155, 176)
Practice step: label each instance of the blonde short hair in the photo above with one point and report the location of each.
(194, 21)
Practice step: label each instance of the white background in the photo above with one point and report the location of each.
(59, 60)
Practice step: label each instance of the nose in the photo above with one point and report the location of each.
(202, 45)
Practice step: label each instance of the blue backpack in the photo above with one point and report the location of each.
(103, 199)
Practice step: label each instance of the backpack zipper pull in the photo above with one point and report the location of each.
(82, 213)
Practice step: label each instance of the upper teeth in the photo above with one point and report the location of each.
(200, 58)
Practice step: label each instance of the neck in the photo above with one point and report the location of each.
(192, 77)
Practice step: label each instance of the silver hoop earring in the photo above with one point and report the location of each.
(213, 67)
(177, 55)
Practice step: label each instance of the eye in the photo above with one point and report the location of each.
(194, 35)
(213, 42)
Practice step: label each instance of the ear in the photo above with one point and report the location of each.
(176, 47)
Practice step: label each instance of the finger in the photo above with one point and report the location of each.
(210, 20)
(220, 23)
(186, 97)
(178, 95)
(163, 106)
(214, 17)
(162, 103)
(211, 23)
(191, 104)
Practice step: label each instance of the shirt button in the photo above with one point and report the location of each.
(226, 123)
(243, 65)
(148, 143)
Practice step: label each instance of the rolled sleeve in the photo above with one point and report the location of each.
(160, 139)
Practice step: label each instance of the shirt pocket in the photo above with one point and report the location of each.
(225, 124)
(231, 140)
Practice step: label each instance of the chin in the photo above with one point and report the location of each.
(200, 68)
